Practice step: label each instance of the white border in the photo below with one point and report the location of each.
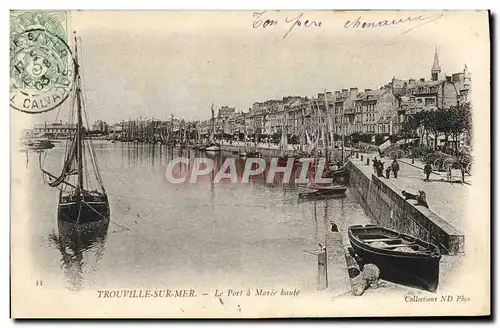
(213, 5)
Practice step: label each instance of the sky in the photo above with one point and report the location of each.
(158, 63)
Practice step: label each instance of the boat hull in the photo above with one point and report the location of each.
(318, 196)
(84, 211)
(409, 269)
(254, 155)
(213, 148)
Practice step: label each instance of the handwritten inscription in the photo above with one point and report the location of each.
(361, 23)
(261, 20)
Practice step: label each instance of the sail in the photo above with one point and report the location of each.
(66, 170)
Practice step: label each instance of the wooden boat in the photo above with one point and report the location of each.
(254, 154)
(320, 191)
(37, 143)
(243, 154)
(319, 195)
(328, 190)
(401, 258)
(213, 147)
(340, 175)
(79, 201)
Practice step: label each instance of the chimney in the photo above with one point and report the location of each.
(345, 90)
(337, 93)
(353, 90)
(448, 79)
(366, 90)
(329, 95)
(422, 79)
(411, 81)
(321, 96)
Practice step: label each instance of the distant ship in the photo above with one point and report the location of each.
(36, 143)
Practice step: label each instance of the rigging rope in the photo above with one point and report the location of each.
(93, 156)
(93, 209)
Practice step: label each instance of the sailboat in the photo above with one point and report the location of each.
(212, 145)
(283, 145)
(336, 170)
(78, 203)
(255, 153)
(244, 153)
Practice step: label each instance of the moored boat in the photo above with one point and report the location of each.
(324, 191)
(319, 195)
(401, 258)
(254, 154)
(213, 147)
(82, 197)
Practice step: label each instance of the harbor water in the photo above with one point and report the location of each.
(164, 235)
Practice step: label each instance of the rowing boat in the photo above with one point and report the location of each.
(401, 258)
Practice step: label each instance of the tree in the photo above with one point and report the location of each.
(460, 122)
(379, 139)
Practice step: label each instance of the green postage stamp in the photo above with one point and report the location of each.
(41, 64)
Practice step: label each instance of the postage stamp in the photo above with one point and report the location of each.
(41, 64)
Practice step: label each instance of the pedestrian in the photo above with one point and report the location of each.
(462, 170)
(422, 199)
(427, 171)
(375, 165)
(388, 172)
(380, 168)
(395, 168)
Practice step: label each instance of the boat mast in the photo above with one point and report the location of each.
(79, 129)
(342, 127)
(330, 133)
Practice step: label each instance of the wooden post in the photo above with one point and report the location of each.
(322, 271)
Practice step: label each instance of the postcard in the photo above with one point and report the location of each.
(249, 164)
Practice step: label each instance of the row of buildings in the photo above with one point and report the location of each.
(374, 111)
(370, 111)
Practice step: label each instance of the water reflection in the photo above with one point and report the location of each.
(249, 234)
(76, 243)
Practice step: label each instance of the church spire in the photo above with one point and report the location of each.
(466, 76)
(436, 69)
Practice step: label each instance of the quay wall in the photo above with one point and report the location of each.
(386, 206)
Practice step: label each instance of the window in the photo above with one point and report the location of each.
(429, 101)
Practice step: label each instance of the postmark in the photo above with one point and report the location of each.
(41, 63)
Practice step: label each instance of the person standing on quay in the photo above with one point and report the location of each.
(395, 168)
(375, 165)
(427, 171)
(380, 171)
